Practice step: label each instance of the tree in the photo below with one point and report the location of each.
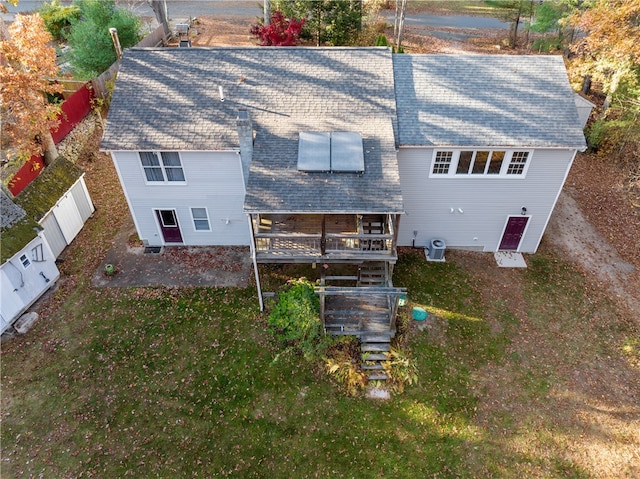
(280, 31)
(610, 50)
(58, 18)
(335, 22)
(514, 11)
(27, 68)
(159, 9)
(92, 50)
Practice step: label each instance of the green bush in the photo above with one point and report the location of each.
(58, 18)
(596, 133)
(295, 318)
(547, 44)
(92, 50)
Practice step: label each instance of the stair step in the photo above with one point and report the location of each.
(372, 367)
(367, 347)
(378, 377)
(374, 357)
(375, 338)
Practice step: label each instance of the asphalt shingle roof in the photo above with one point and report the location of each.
(485, 100)
(168, 99)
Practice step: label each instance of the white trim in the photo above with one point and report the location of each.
(159, 224)
(506, 161)
(504, 228)
(165, 181)
(193, 219)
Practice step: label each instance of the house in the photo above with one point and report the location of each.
(314, 154)
(485, 145)
(36, 226)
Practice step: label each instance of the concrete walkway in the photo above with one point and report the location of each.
(214, 266)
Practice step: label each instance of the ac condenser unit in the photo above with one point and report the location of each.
(435, 251)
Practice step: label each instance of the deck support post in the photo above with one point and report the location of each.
(255, 262)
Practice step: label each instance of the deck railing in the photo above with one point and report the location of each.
(356, 243)
(281, 244)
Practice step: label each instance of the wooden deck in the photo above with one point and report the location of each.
(359, 311)
(329, 238)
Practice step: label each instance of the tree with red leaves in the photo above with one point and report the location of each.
(283, 32)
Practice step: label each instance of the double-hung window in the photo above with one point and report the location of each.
(200, 219)
(466, 163)
(162, 167)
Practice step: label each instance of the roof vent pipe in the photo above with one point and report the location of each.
(221, 91)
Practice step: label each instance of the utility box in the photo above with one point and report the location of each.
(435, 251)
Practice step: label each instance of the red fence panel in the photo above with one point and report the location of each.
(74, 109)
(26, 174)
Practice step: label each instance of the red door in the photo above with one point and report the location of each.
(169, 226)
(513, 232)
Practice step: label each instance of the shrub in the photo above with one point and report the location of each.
(58, 18)
(343, 363)
(401, 370)
(92, 50)
(295, 318)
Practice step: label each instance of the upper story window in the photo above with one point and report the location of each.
(464, 163)
(162, 167)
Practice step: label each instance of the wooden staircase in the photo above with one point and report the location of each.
(372, 225)
(373, 273)
(375, 349)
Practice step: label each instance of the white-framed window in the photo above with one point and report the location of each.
(37, 253)
(25, 261)
(162, 167)
(518, 163)
(490, 163)
(200, 219)
(442, 162)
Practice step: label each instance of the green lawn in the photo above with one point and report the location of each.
(188, 383)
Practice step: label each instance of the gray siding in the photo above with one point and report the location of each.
(53, 233)
(486, 202)
(213, 181)
(82, 199)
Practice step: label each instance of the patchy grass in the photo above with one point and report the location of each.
(184, 382)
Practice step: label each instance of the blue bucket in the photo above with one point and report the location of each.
(419, 314)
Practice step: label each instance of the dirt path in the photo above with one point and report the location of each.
(572, 233)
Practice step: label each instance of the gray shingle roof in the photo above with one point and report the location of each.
(10, 213)
(168, 99)
(485, 100)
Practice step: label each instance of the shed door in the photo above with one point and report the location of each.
(169, 226)
(513, 233)
(68, 217)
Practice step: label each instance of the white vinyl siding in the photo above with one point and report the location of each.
(469, 212)
(215, 182)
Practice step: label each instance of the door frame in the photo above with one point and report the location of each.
(158, 217)
(504, 229)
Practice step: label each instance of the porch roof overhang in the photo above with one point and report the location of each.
(277, 186)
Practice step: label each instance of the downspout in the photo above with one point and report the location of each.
(255, 263)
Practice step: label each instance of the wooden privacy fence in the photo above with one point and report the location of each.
(74, 109)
